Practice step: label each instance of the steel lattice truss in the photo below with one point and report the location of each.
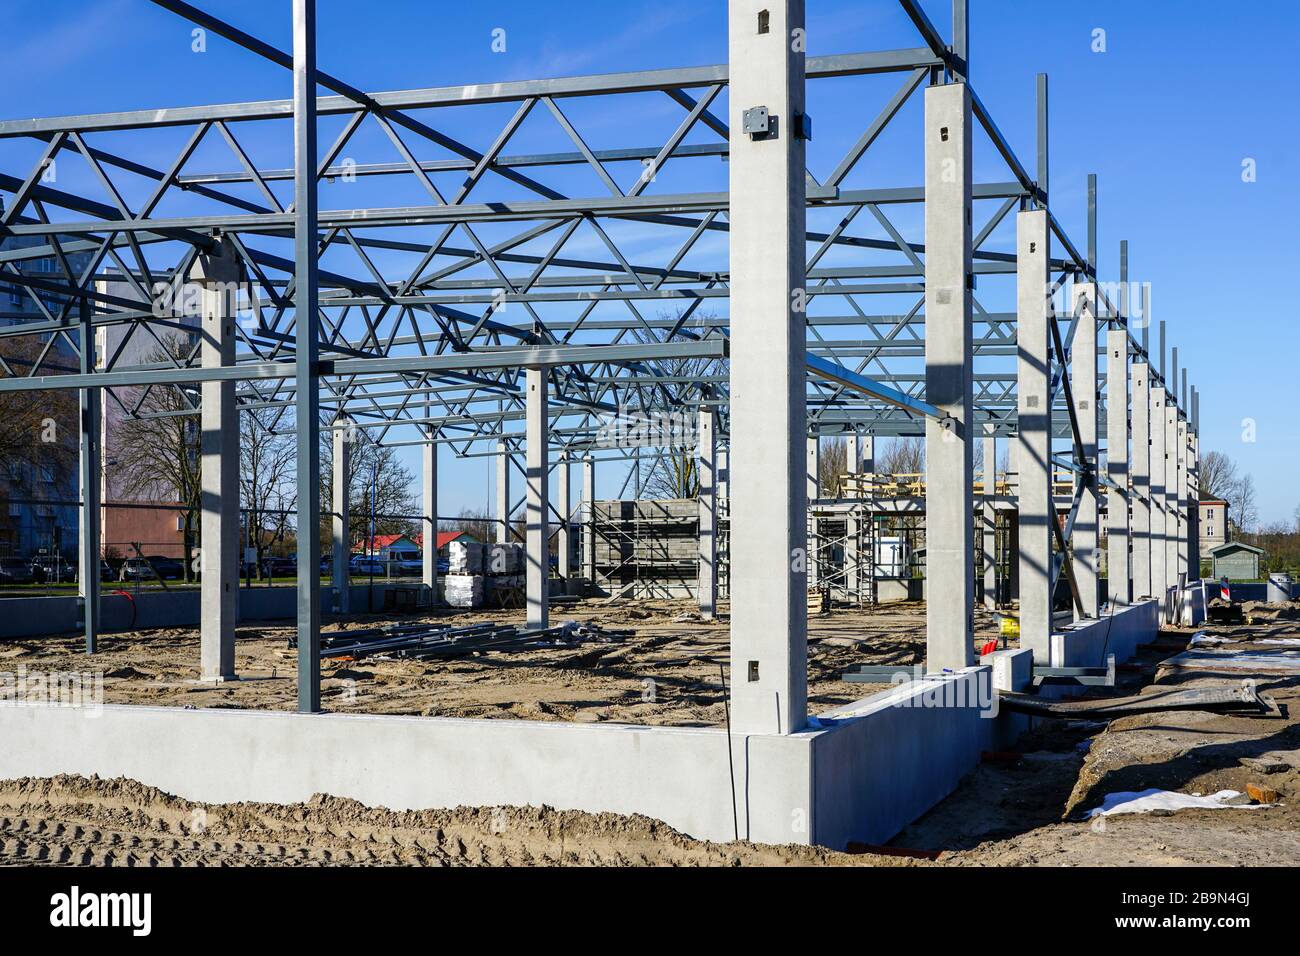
(608, 264)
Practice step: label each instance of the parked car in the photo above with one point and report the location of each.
(53, 568)
(279, 568)
(106, 572)
(169, 569)
(137, 569)
(16, 571)
(364, 567)
(405, 564)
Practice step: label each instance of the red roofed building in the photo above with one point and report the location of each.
(383, 543)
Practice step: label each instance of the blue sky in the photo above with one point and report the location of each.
(1184, 92)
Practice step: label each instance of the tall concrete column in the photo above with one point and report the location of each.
(1172, 528)
(1033, 450)
(90, 475)
(589, 518)
(344, 438)
(1159, 552)
(1083, 383)
(1117, 468)
(769, 493)
(429, 500)
(867, 454)
(1194, 505)
(707, 586)
(1184, 525)
(989, 519)
(503, 493)
(219, 274)
(1140, 466)
(537, 477)
(949, 446)
(564, 541)
(814, 464)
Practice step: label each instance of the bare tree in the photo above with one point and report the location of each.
(1247, 506)
(672, 471)
(472, 521)
(832, 462)
(38, 430)
(267, 489)
(158, 454)
(902, 456)
(1218, 475)
(378, 484)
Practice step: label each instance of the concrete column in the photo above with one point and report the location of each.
(344, 438)
(219, 275)
(1159, 576)
(949, 446)
(429, 497)
(503, 493)
(564, 541)
(769, 494)
(1140, 466)
(589, 517)
(90, 475)
(989, 519)
(537, 476)
(1184, 524)
(1194, 507)
(814, 462)
(1172, 528)
(1083, 383)
(1117, 468)
(1033, 451)
(867, 454)
(707, 587)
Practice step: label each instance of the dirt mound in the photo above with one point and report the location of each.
(90, 821)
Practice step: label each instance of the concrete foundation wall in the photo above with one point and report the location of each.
(861, 775)
(890, 758)
(1089, 643)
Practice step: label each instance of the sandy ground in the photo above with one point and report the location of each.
(1025, 807)
(666, 673)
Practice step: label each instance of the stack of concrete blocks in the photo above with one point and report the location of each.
(648, 549)
(464, 581)
(464, 590)
(504, 567)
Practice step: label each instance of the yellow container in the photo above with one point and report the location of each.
(1010, 629)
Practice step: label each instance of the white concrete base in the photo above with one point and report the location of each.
(861, 774)
(1089, 643)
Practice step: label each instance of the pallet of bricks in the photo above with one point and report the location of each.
(481, 574)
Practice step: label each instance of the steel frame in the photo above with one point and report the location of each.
(435, 352)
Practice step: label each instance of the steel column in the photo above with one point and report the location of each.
(429, 502)
(307, 322)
